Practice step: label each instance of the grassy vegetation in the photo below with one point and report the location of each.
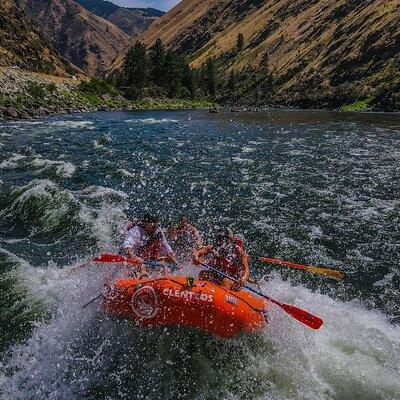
(172, 104)
(39, 98)
(356, 106)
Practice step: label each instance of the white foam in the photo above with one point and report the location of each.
(54, 203)
(73, 124)
(12, 162)
(316, 232)
(247, 149)
(96, 144)
(126, 173)
(151, 121)
(93, 192)
(354, 355)
(27, 123)
(63, 169)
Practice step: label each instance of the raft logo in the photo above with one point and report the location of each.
(186, 294)
(144, 302)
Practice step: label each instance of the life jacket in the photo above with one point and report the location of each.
(238, 241)
(227, 259)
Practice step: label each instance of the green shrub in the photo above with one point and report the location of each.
(356, 106)
(96, 87)
(51, 87)
(36, 90)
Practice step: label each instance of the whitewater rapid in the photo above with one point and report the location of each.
(310, 187)
(78, 351)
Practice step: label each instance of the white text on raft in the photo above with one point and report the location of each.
(188, 295)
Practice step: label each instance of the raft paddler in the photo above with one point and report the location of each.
(227, 254)
(145, 241)
(185, 238)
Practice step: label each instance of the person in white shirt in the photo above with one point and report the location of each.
(145, 241)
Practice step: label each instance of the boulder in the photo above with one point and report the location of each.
(10, 113)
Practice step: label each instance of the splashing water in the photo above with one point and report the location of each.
(319, 188)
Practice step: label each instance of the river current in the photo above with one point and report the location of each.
(320, 188)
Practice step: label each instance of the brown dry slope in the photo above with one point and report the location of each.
(297, 52)
(23, 46)
(132, 22)
(88, 41)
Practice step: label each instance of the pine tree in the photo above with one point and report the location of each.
(136, 69)
(211, 77)
(189, 80)
(161, 72)
(173, 73)
(240, 42)
(157, 60)
(232, 81)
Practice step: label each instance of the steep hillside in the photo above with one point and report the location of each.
(132, 21)
(22, 45)
(88, 41)
(310, 53)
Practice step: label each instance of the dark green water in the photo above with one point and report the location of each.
(312, 187)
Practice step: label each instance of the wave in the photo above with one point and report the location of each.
(42, 206)
(101, 192)
(63, 168)
(126, 173)
(26, 123)
(12, 162)
(68, 124)
(151, 121)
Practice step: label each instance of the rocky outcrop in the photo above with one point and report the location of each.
(23, 46)
(88, 41)
(307, 53)
(26, 94)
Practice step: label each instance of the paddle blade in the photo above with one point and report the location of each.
(302, 316)
(325, 271)
(310, 268)
(109, 258)
(114, 258)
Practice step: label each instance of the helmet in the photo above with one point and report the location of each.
(150, 219)
(223, 235)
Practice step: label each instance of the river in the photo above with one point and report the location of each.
(307, 186)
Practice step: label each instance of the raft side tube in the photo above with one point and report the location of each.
(170, 301)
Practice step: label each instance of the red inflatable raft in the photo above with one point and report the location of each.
(182, 301)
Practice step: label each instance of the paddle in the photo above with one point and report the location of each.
(310, 268)
(117, 258)
(302, 316)
(93, 300)
(105, 258)
(114, 258)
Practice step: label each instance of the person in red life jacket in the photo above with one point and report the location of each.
(145, 241)
(228, 256)
(185, 238)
